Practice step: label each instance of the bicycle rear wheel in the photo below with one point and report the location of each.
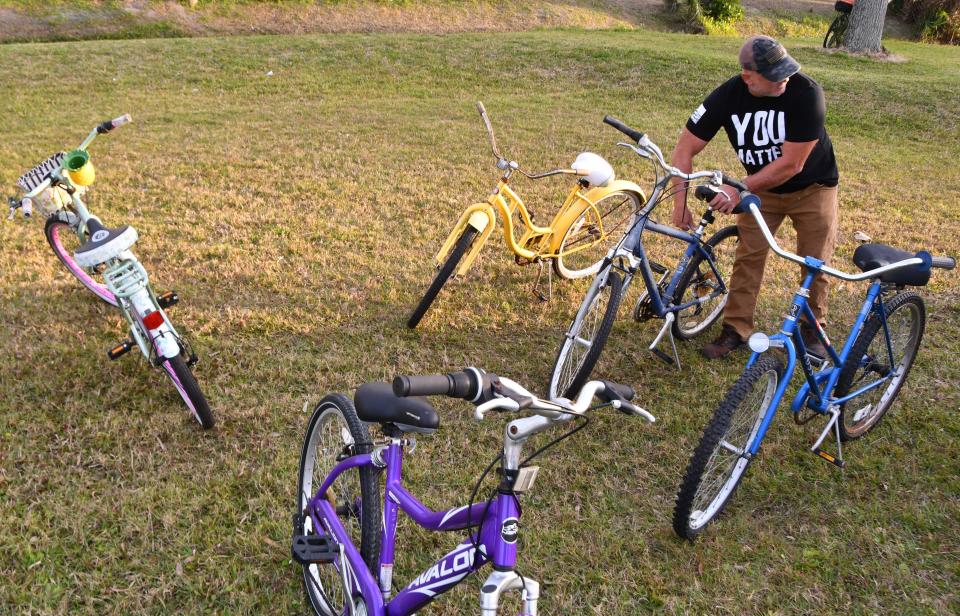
(584, 341)
(334, 433)
(443, 274)
(699, 282)
(719, 461)
(870, 361)
(186, 385)
(836, 32)
(63, 239)
(585, 242)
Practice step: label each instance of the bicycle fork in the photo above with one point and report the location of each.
(499, 582)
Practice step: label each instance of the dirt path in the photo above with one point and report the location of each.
(149, 19)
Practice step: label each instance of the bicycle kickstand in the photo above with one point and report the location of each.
(667, 329)
(536, 285)
(831, 424)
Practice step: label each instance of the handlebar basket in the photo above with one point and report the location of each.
(51, 199)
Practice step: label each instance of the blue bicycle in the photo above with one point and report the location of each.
(344, 532)
(852, 389)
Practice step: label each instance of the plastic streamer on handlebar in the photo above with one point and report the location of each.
(36, 176)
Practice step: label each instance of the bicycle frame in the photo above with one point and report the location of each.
(815, 394)
(125, 277)
(535, 243)
(497, 522)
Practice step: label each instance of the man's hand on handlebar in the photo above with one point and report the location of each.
(726, 200)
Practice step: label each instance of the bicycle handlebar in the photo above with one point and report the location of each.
(109, 125)
(947, 263)
(469, 384)
(752, 202)
(623, 128)
(489, 392)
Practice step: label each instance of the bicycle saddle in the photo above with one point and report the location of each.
(872, 256)
(377, 403)
(104, 244)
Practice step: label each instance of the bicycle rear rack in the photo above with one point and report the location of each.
(125, 277)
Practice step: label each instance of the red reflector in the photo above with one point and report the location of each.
(153, 320)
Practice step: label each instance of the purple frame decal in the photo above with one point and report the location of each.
(497, 538)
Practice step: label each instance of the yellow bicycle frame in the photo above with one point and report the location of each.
(536, 243)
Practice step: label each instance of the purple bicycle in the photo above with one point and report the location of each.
(344, 534)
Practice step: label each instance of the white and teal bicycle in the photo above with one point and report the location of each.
(101, 259)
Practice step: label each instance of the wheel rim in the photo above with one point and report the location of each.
(578, 342)
(864, 410)
(329, 437)
(586, 241)
(727, 462)
(702, 284)
(64, 242)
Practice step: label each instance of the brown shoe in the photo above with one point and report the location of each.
(727, 341)
(811, 342)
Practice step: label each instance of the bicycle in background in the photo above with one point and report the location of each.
(689, 297)
(101, 259)
(852, 389)
(838, 28)
(345, 532)
(595, 212)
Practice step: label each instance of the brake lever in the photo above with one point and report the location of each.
(631, 409)
(25, 204)
(501, 404)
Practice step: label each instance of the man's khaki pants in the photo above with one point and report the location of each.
(813, 211)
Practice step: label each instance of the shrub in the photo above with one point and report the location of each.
(935, 20)
(710, 16)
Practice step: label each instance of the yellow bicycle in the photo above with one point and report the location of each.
(595, 214)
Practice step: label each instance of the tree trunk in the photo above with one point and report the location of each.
(866, 26)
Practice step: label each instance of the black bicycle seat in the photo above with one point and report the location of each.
(872, 256)
(377, 403)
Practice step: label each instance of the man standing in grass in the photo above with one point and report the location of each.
(774, 118)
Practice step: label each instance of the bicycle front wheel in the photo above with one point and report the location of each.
(700, 283)
(721, 458)
(443, 274)
(64, 241)
(870, 361)
(585, 242)
(333, 434)
(584, 341)
(186, 385)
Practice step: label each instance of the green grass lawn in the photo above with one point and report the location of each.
(297, 214)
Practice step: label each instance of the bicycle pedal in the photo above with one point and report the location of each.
(170, 298)
(192, 360)
(313, 549)
(120, 350)
(829, 458)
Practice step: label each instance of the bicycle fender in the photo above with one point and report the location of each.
(481, 217)
(567, 217)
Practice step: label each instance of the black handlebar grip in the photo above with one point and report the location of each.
(705, 192)
(463, 384)
(735, 183)
(616, 391)
(623, 128)
(947, 263)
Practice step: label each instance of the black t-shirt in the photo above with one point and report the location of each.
(756, 126)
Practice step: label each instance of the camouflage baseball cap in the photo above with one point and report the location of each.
(767, 57)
